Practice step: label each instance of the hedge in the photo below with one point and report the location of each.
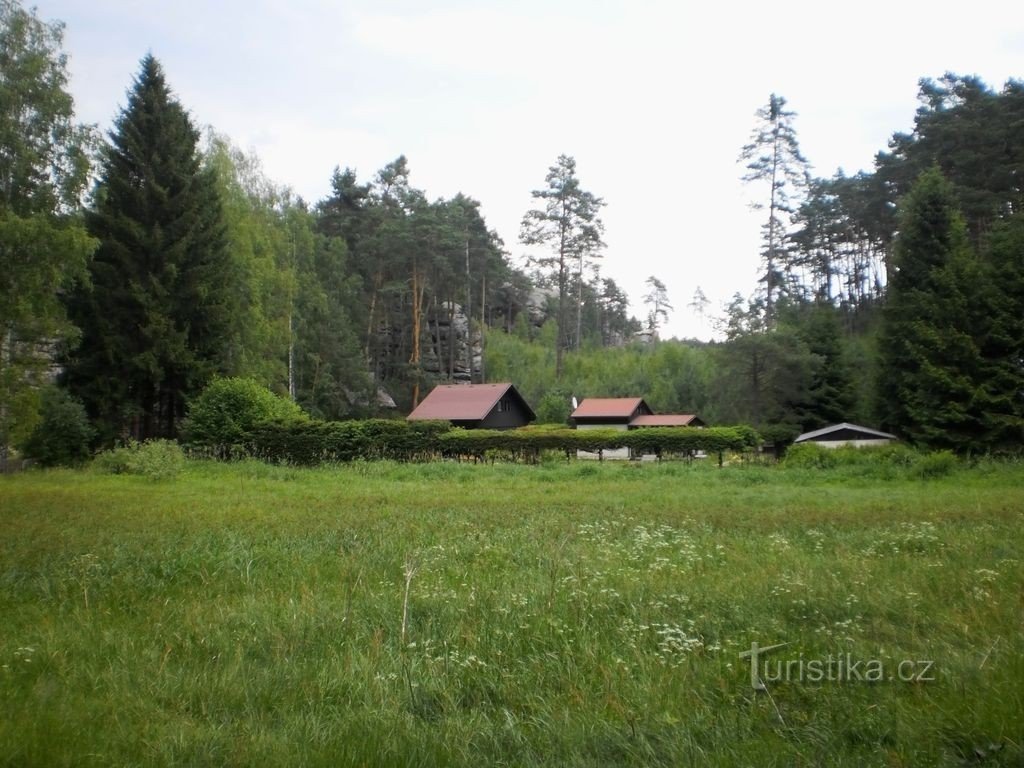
(316, 442)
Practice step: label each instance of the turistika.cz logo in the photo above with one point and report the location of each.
(841, 668)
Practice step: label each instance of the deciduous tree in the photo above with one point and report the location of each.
(44, 166)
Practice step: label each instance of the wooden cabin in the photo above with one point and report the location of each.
(475, 406)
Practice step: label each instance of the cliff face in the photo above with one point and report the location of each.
(448, 347)
(452, 349)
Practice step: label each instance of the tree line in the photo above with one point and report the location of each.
(141, 265)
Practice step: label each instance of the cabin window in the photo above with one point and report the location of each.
(504, 405)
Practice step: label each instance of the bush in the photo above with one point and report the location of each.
(228, 409)
(810, 456)
(554, 408)
(63, 433)
(155, 459)
(932, 465)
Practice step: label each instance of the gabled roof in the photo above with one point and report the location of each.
(609, 408)
(825, 431)
(464, 402)
(665, 420)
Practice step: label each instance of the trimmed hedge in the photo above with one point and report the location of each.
(316, 442)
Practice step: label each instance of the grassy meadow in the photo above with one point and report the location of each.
(570, 614)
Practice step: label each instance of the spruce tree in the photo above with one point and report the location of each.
(1001, 325)
(154, 321)
(930, 385)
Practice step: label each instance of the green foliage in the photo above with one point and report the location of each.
(810, 456)
(554, 407)
(156, 316)
(931, 368)
(673, 377)
(261, 269)
(154, 459)
(781, 436)
(773, 159)
(1001, 337)
(765, 374)
(63, 434)
(876, 462)
(937, 464)
(44, 166)
(228, 409)
(569, 226)
(411, 262)
(970, 132)
(318, 442)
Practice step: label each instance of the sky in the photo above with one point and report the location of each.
(653, 99)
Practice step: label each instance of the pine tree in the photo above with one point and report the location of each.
(569, 225)
(657, 300)
(773, 156)
(155, 320)
(930, 368)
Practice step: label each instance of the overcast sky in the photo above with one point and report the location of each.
(653, 99)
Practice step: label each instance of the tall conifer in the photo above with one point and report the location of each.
(154, 321)
(931, 368)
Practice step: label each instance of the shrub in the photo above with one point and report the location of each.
(63, 433)
(554, 408)
(781, 437)
(155, 459)
(810, 456)
(228, 409)
(932, 465)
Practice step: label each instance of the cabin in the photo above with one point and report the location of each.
(609, 412)
(625, 413)
(667, 420)
(475, 406)
(845, 434)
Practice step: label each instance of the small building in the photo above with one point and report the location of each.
(608, 413)
(475, 406)
(845, 434)
(625, 413)
(667, 420)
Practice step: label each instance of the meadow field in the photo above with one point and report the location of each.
(568, 614)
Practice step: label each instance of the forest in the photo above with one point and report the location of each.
(138, 266)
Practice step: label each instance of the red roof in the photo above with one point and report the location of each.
(608, 407)
(665, 420)
(460, 402)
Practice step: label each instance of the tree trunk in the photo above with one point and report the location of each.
(483, 315)
(414, 358)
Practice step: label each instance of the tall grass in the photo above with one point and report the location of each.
(563, 614)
